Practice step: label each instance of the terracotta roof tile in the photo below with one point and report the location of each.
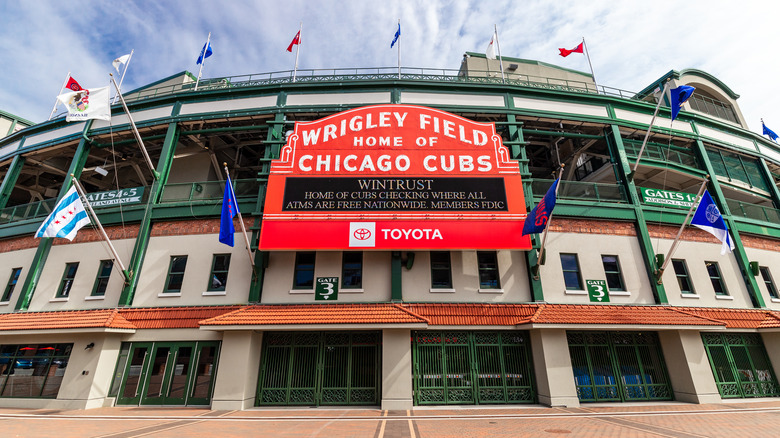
(68, 319)
(473, 313)
(316, 314)
(614, 314)
(172, 317)
(737, 318)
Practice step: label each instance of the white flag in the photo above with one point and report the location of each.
(87, 104)
(491, 49)
(121, 60)
(66, 219)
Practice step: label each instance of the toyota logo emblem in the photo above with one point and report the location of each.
(362, 234)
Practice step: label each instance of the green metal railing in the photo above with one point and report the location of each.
(752, 211)
(654, 151)
(27, 211)
(740, 365)
(713, 107)
(208, 190)
(581, 191)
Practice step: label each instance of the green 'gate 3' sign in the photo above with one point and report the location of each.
(327, 289)
(597, 291)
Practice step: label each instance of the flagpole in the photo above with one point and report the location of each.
(127, 64)
(660, 271)
(500, 61)
(56, 100)
(155, 174)
(399, 49)
(202, 60)
(240, 219)
(592, 74)
(539, 258)
(297, 50)
(83, 195)
(649, 128)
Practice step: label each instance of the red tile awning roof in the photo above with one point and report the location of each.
(172, 317)
(317, 314)
(601, 314)
(474, 314)
(67, 319)
(738, 318)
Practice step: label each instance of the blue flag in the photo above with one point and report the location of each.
(679, 96)
(397, 34)
(769, 132)
(204, 53)
(538, 217)
(229, 211)
(709, 219)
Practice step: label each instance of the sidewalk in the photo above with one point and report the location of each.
(740, 418)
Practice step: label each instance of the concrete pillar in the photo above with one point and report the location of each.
(88, 377)
(396, 369)
(552, 365)
(237, 373)
(772, 345)
(688, 366)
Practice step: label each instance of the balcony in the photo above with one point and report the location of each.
(581, 191)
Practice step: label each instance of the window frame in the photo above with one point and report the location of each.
(577, 271)
(101, 279)
(718, 279)
(493, 283)
(684, 276)
(167, 288)
(11, 285)
(62, 291)
(616, 274)
(344, 270)
(439, 266)
(768, 282)
(299, 268)
(210, 287)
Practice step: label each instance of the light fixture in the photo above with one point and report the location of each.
(90, 346)
(101, 171)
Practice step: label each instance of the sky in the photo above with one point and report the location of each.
(631, 42)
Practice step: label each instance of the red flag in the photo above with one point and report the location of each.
(73, 85)
(296, 40)
(566, 53)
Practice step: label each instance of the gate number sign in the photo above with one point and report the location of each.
(327, 289)
(597, 291)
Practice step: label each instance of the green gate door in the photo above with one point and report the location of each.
(740, 365)
(472, 368)
(313, 369)
(618, 366)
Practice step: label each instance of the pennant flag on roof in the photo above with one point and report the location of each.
(709, 219)
(295, 41)
(72, 85)
(491, 48)
(67, 218)
(768, 131)
(536, 221)
(119, 61)
(565, 52)
(396, 36)
(205, 52)
(678, 97)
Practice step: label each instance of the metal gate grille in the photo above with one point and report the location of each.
(312, 369)
(740, 365)
(472, 368)
(618, 366)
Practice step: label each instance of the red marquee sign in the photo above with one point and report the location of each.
(394, 177)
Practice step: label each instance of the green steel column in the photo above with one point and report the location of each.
(396, 289)
(615, 141)
(518, 152)
(145, 228)
(44, 246)
(765, 173)
(739, 250)
(14, 170)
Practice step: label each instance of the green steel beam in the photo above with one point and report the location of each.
(44, 246)
(765, 173)
(562, 134)
(739, 250)
(145, 227)
(11, 176)
(622, 169)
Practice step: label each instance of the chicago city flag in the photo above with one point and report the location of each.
(66, 219)
(87, 104)
(708, 218)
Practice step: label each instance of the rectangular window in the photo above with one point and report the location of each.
(67, 280)
(219, 272)
(441, 270)
(768, 281)
(175, 274)
(612, 270)
(487, 262)
(683, 279)
(304, 270)
(9, 288)
(33, 370)
(352, 270)
(104, 274)
(717, 280)
(571, 272)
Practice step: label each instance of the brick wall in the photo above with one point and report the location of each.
(568, 225)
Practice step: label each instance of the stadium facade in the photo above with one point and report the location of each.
(387, 267)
